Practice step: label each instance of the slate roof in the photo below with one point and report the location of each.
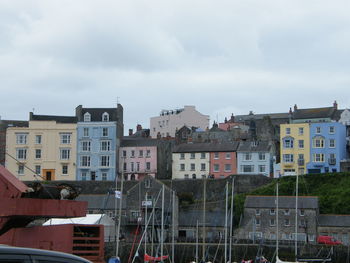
(247, 117)
(334, 220)
(188, 218)
(138, 142)
(58, 119)
(287, 202)
(248, 146)
(314, 113)
(206, 147)
(13, 123)
(101, 201)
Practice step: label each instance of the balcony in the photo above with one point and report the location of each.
(301, 162)
(332, 161)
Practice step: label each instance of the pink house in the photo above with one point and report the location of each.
(223, 161)
(138, 158)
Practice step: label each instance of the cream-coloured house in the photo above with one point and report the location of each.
(46, 150)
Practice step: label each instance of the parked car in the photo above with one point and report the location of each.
(328, 240)
(31, 255)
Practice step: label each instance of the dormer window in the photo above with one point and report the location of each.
(87, 117)
(105, 116)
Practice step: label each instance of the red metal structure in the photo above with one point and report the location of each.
(20, 205)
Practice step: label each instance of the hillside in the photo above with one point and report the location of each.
(333, 190)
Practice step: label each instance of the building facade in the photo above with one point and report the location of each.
(46, 150)
(223, 161)
(169, 121)
(327, 147)
(255, 157)
(98, 140)
(294, 148)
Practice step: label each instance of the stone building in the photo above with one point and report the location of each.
(259, 218)
(337, 226)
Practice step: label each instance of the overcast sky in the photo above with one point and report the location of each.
(221, 56)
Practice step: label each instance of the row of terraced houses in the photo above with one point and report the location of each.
(178, 145)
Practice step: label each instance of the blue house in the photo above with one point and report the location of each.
(98, 138)
(327, 147)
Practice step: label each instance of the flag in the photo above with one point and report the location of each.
(118, 194)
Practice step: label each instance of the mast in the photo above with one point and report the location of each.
(296, 216)
(120, 208)
(162, 227)
(204, 207)
(173, 236)
(226, 202)
(146, 205)
(197, 243)
(231, 221)
(277, 220)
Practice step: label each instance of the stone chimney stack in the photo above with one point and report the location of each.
(335, 105)
(130, 132)
(138, 127)
(295, 107)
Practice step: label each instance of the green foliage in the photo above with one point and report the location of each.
(333, 190)
(186, 198)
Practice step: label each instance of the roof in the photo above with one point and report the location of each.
(138, 142)
(96, 113)
(100, 201)
(283, 115)
(58, 119)
(334, 220)
(313, 113)
(250, 146)
(206, 147)
(89, 219)
(286, 202)
(212, 217)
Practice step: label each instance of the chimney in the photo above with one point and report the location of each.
(232, 118)
(335, 105)
(138, 127)
(130, 132)
(290, 110)
(295, 107)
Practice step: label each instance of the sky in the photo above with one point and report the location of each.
(221, 56)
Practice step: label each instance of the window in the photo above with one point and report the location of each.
(216, 155)
(148, 166)
(65, 138)
(247, 168)
(301, 130)
(193, 166)
(272, 212)
(202, 155)
(124, 153)
(228, 156)
(87, 116)
(124, 166)
(331, 143)
(318, 129)
(301, 212)
(216, 167)
(182, 167)
(85, 161)
(318, 142)
(104, 176)
(132, 166)
(85, 146)
(247, 156)
(105, 146)
(257, 221)
(148, 184)
(288, 158)
(194, 176)
(193, 156)
(83, 176)
(286, 222)
(86, 132)
(287, 130)
(148, 153)
(38, 169)
(286, 212)
(64, 169)
(64, 154)
(228, 168)
(132, 154)
(182, 156)
(202, 166)
(302, 222)
(105, 132)
(21, 169)
(104, 161)
(21, 153)
(261, 156)
(140, 153)
(105, 116)
(186, 176)
(331, 129)
(318, 157)
(301, 144)
(262, 168)
(37, 139)
(257, 212)
(272, 222)
(37, 153)
(137, 167)
(288, 143)
(21, 138)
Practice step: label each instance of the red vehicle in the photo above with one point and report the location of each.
(328, 240)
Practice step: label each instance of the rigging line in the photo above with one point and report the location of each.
(22, 163)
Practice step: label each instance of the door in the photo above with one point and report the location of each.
(49, 174)
(93, 176)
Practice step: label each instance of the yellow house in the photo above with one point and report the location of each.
(295, 148)
(46, 150)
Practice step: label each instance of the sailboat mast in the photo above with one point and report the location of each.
(162, 227)
(173, 226)
(296, 215)
(231, 220)
(204, 207)
(146, 206)
(277, 220)
(197, 242)
(226, 203)
(120, 208)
